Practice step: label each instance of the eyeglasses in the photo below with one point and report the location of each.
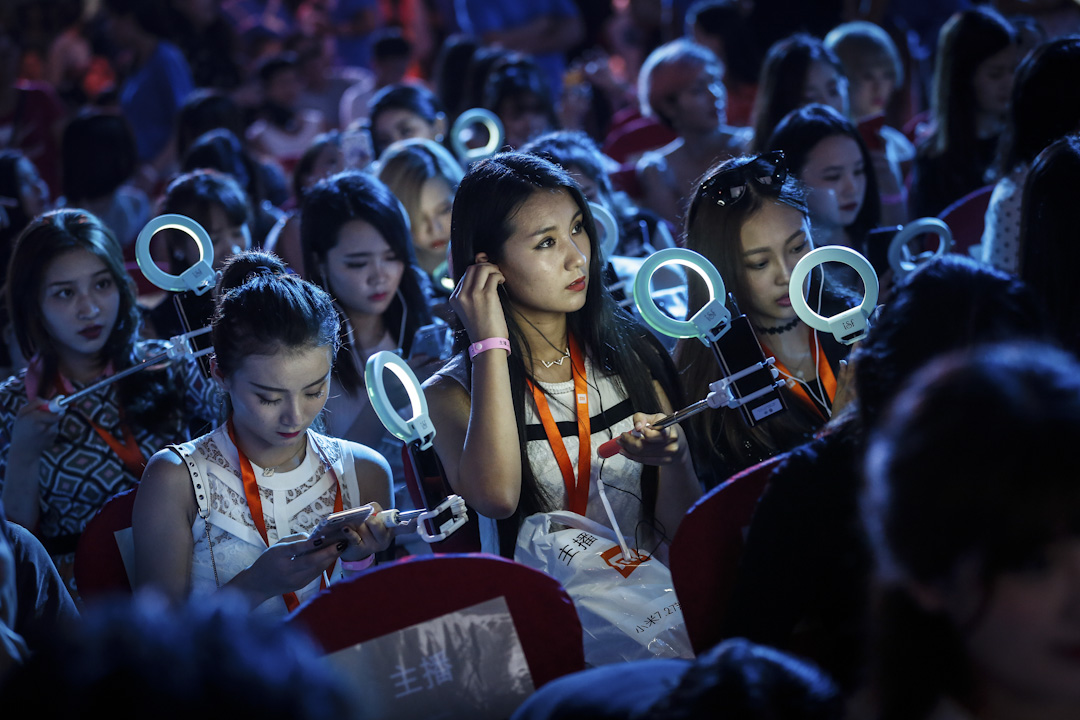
(767, 172)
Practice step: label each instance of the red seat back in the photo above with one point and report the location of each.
(967, 217)
(99, 567)
(421, 588)
(427, 490)
(705, 553)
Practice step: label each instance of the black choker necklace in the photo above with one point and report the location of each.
(778, 330)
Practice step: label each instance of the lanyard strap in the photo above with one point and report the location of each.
(824, 370)
(128, 450)
(254, 501)
(577, 489)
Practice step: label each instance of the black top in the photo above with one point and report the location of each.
(939, 181)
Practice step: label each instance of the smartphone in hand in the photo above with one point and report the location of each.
(331, 529)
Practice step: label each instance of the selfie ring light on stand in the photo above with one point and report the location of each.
(901, 260)
(419, 427)
(709, 323)
(417, 432)
(198, 278)
(851, 325)
(608, 228)
(491, 123)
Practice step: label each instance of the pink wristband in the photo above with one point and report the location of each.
(491, 343)
(358, 565)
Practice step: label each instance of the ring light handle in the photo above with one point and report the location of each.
(850, 325)
(609, 229)
(709, 323)
(198, 278)
(477, 116)
(900, 258)
(419, 426)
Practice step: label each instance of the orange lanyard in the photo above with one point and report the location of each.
(129, 452)
(825, 374)
(254, 501)
(577, 489)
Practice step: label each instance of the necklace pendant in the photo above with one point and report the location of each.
(268, 472)
(566, 354)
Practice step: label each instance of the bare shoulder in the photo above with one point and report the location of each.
(366, 460)
(445, 395)
(165, 485)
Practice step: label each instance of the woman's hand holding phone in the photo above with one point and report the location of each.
(476, 301)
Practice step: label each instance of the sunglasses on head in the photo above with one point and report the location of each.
(767, 172)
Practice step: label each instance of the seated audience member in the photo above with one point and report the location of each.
(516, 90)
(222, 151)
(754, 232)
(323, 159)
(976, 609)
(681, 83)
(424, 176)
(735, 679)
(275, 338)
(825, 151)
(23, 196)
(973, 77)
(155, 86)
(99, 161)
(284, 129)
(798, 70)
(875, 72)
(640, 231)
(215, 201)
(802, 581)
(137, 658)
(355, 238)
(1044, 108)
(529, 291)
(1048, 225)
(75, 318)
(34, 603)
(723, 26)
(400, 112)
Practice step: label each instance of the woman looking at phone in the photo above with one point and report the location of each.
(268, 477)
(552, 364)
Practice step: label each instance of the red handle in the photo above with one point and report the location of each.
(609, 449)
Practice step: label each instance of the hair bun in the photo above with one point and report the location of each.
(243, 267)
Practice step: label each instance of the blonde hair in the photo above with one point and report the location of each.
(407, 164)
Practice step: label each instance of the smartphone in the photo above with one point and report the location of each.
(331, 529)
(870, 130)
(433, 341)
(737, 350)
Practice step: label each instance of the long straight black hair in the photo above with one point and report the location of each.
(487, 199)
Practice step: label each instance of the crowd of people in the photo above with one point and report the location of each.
(915, 554)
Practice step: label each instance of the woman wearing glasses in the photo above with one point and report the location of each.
(750, 220)
(553, 365)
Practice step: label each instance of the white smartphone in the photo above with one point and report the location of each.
(331, 529)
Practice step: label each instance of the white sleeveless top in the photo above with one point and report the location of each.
(293, 502)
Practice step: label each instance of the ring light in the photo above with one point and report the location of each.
(901, 260)
(418, 427)
(609, 230)
(477, 116)
(709, 323)
(198, 278)
(850, 325)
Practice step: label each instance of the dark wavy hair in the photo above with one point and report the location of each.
(489, 196)
(799, 133)
(338, 200)
(148, 399)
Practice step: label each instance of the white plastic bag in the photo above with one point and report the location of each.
(628, 609)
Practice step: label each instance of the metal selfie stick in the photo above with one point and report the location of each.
(176, 347)
(466, 120)
(851, 325)
(709, 325)
(902, 261)
(418, 434)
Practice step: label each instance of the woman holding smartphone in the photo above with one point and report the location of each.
(233, 508)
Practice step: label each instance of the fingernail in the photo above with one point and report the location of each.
(342, 545)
